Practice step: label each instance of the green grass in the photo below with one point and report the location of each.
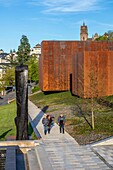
(35, 89)
(109, 98)
(7, 125)
(103, 114)
(103, 124)
(61, 98)
(57, 102)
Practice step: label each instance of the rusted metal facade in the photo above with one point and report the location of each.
(55, 65)
(93, 73)
(66, 65)
(92, 69)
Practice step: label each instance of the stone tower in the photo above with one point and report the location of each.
(83, 32)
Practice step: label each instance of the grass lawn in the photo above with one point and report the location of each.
(61, 98)
(7, 124)
(76, 110)
(76, 125)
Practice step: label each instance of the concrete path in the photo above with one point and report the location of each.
(61, 152)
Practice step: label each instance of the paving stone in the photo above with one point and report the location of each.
(32, 160)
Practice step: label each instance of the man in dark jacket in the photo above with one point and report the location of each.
(61, 123)
(45, 123)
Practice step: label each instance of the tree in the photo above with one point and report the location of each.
(2, 86)
(33, 68)
(106, 37)
(9, 77)
(110, 35)
(21, 77)
(101, 38)
(23, 50)
(90, 85)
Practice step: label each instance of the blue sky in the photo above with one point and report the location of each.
(51, 20)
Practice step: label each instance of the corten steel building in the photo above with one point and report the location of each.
(84, 67)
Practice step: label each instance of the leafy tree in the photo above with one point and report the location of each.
(9, 77)
(2, 85)
(106, 37)
(23, 50)
(33, 68)
(101, 38)
(110, 35)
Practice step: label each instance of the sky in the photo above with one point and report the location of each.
(51, 20)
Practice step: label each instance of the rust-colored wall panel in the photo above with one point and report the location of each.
(97, 74)
(110, 73)
(62, 59)
(57, 65)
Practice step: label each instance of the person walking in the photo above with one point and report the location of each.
(61, 123)
(45, 123)
(50, 122)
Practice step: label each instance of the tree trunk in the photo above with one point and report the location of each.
(93, 126)
(21, 121)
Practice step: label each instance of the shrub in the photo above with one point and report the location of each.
(35, 89)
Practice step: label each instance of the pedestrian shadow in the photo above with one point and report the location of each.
(36, 121)
(5, 133)
(45, 108)
(39, 116)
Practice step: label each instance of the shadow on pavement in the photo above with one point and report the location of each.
(39, 116)
(36, 121)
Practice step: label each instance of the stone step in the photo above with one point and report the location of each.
(60, 151)
(32, 160)
(42, 157)
(10, 158)
(69, 156)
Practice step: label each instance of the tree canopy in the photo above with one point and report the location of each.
(9, 77)
(21, 57)
(23, 50)
(106, 37)
(33, 68)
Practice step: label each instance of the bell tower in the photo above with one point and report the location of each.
(83, 32)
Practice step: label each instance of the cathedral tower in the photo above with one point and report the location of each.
(83, 32)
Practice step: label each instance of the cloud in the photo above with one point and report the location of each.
(107, 25)
(67, 6)
(42, 20)
(7, 2)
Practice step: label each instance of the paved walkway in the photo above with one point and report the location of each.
(61, 152)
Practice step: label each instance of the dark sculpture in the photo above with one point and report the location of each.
(21, 121)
